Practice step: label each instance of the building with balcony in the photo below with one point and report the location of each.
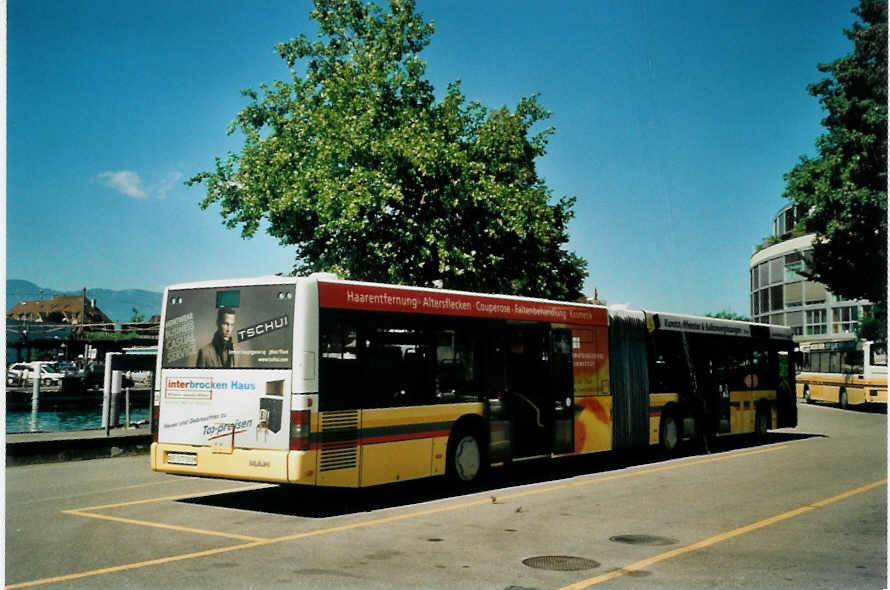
(781, 295)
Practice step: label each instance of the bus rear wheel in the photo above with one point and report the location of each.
(761, 424)
(806, 395)
(842, 400)
(465, 457)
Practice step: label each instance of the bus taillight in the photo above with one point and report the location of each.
(299, 430)
(155, 417)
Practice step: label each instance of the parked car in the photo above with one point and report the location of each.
(18, 373)
(66, 367)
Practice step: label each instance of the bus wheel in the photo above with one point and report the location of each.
(842, 401)
(668, 433)
(761, 424)
(464, 457)
(806, 395)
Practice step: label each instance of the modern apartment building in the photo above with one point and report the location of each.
(782, 296)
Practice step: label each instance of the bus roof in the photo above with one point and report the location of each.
(708, 325)
(347, 294)
(235, 282)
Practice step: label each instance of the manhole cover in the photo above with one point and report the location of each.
(560, 563)
(643, 540)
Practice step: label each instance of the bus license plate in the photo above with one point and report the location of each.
(224, 439)
(182, 459)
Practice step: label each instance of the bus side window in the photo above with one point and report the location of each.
(394, 360)
(670, 369)
(757, 368)
(339, 369)
(730, 362)
(834, 361)
(819, 361)
(769, 379)
(852, 362)
(799, 362)
(455, 360)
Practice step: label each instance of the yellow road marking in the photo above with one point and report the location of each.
(245, 488)
(636, 566)
(130, 566)
(596, 478)
(103, 491)
(161, 525)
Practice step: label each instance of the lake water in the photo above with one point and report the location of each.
(63, 420)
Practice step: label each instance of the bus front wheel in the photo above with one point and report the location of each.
(464, 457)
(806, 395)
(842, 401)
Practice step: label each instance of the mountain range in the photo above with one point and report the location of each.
(117, 305)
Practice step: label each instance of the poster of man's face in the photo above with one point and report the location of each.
(238, 327)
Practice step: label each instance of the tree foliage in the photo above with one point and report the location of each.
(843, 191)
(356, 164)
(725, 314)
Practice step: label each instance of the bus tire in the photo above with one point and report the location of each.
(842, 400)
(761, 423)
(668, 433)
(806, 395)
(466, 456)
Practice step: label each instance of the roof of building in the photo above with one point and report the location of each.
(70, 306)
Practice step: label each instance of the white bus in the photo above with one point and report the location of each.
(843, 373)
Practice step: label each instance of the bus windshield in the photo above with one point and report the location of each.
(232, 327)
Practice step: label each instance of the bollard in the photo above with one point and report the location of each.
(115, 411)
(35, 397)
(106, 393)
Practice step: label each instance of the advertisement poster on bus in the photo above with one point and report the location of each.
(245, 409)
(593, 404)
(246, 327)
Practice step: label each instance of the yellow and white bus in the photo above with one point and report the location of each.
(320, 381)
(843, 373)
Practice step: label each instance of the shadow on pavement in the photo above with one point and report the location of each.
(311, 502)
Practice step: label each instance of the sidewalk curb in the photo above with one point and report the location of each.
(53, 447)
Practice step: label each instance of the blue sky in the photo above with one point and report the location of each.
(674, 123)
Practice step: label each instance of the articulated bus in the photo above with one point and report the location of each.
(843, 373)
(329, 382)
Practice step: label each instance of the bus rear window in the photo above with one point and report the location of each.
(225, 328)
(878, 355)
(228, 299)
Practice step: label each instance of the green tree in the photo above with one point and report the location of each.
(843, 191)
(725, 314)
(355, 163)
(137, 316)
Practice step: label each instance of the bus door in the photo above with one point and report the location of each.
(786, 401)
(562, 387)
(724, 378)
(528, 397)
